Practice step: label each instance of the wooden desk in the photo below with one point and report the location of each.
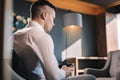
(86, 62)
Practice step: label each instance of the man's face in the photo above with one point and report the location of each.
(49, 23)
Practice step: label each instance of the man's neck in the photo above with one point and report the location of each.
(41, 22)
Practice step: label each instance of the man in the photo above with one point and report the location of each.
(35, 46)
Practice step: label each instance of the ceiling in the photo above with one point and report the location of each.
(111, 6)
(104, 3)
(91, 7)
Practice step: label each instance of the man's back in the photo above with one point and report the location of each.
(36, 49)
(24, 44)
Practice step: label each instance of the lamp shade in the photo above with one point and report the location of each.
(72, 21)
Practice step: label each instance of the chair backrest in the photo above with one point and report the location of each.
(115, 63)
(17, 64)
(14, 75)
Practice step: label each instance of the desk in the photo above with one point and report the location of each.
(86, 62)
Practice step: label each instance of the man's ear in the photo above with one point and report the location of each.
(44, 15)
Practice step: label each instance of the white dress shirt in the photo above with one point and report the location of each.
(36, 49)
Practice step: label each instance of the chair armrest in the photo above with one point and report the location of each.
(81, 77)
(118, 75)
(97, 72)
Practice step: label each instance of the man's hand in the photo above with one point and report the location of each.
(67, 70)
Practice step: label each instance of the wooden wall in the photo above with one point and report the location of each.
(101, 35)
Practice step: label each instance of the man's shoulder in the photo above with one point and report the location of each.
(23, 30)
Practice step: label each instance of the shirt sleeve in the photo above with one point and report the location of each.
(44, 49)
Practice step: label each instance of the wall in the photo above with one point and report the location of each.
(112, 32)
(118, 29)
(101, 35)
(21, 7)
(89, 44)
(77, 43)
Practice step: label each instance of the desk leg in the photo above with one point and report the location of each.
(76, 66)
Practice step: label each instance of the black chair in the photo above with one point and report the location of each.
(17, 64)
(14, 75)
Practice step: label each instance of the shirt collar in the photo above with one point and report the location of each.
(35, 24)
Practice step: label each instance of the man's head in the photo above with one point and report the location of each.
(44, 13)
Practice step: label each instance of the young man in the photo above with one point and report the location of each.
(35, 46)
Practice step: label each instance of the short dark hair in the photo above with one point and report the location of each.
(35, 6)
